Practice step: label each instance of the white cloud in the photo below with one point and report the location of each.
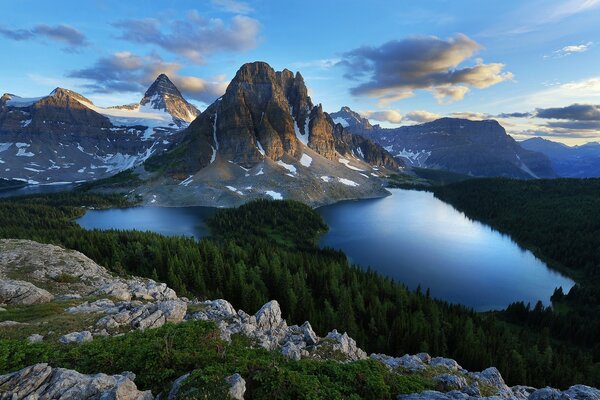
(233, 6)
(391, 116)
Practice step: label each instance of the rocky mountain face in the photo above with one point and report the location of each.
(477, 148)
(111, 306)
(353, 121)
(164, 95)
(571, 162)
(266, 123)
(65, 138)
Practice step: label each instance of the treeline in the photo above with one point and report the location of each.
(559, 220)
(266, 250)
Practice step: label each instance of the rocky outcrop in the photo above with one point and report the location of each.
(20, 292)
(149, 305)
(43, 382)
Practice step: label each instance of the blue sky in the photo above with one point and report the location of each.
(398, 62)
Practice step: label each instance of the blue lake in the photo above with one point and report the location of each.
(410, 236)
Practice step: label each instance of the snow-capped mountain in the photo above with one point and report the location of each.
(64, 137)
(265, 138)
(477, 148)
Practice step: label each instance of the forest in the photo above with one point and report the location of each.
(267, 250)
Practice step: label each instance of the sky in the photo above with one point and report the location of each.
(533, 66)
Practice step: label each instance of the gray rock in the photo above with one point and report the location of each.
(310, 337)
(346, 345)
(424, 357)
(102, 305)
(237, 386)
(173, 310)
(76, 337)
(4, 324)
(43, 382)
(21, 292)
(522, 392)
(582, 392)
(176, 386)
(491, 376)
(35, 338)
(269, 317)
(447, 363)
(292, 350)
(407, 362)
(449, 382)
(548, 394)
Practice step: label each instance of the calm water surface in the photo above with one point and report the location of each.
(409, 236)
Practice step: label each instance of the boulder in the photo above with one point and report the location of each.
(21, 292)
(582, 392)
(173, 310)
(237, 386)
(76, 337)
(268, 318)
(447, 363)
(35, 338)
(548, 394)
(346, 345)
(40, 381)
(176, 386)
(449, 382)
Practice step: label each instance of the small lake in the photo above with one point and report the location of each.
(410, 236)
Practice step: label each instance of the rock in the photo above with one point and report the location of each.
(102, 305)
(582, 392)
(176, 386)
(433, 395)
(447, 363)
(21, 292)
(35, 338)
(407, 362)
(41, 381)
(269, 316)
(548, 394)
(346, 345)
(215, 310)
(4, 324)
(522, 392)
(173, 310)
(310, 337)
(155, 319)
(449, 382)
(237, 386)
(76, 337)
(2, 309)
(424, 357)
(491, 376)
(292, 350)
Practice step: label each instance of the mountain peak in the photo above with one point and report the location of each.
(62, 94)
(164, 95)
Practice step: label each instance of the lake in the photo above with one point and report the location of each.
(410, 236)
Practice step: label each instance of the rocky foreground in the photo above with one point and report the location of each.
(101, 304)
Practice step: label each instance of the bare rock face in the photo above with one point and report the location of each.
(164, 95)
(40, 381)
(321, 137)
(20, 292)
(237, 386)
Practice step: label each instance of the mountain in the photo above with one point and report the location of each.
(164, 95)
(264, 136)
(477, 148)
(353, 121)
(572, 162)
(64, 137)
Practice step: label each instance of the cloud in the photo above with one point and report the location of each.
(65, 34)
(394, 70)
(421, 116)
(391, 116)
(233, 6)
(194, 37)
(575, 112)
(571, 49)
(471, 115)
(127, 72)
(515, 115)
(576, 125)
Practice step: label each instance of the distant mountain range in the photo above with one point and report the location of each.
(477, 148)
(572, 162)
(64, 137)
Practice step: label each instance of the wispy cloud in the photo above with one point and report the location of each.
(534, 15)
(392, 116)
(571, 49)
(233, 6)
(396, 69)
(128, 72)
(65, 34)
(194, 37)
